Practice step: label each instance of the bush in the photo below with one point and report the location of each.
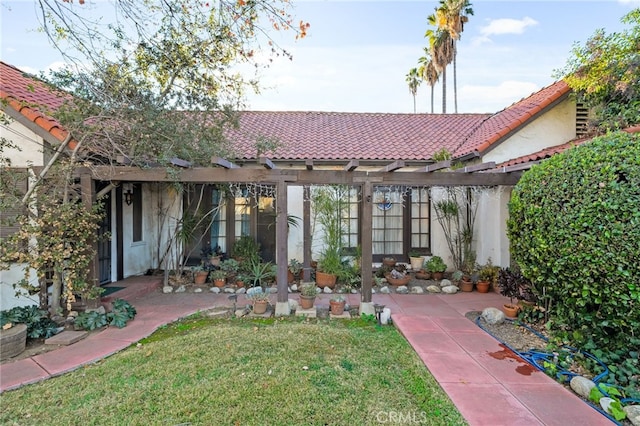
(574, 227)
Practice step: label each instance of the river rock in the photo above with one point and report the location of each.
(605, 403)
(241, 290)
(403, 289)
(167, 289)
(385, 290)
(493, 316)
(445, 283)
(327, 290)
(197, 290)
(581, 385)
(417, 290)
(215, 290)
(633, 414)
(450, 289)
(434, 289)
(181, 289)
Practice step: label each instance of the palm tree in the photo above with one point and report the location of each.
(451, 17)
(428, 72)
(413, 80)
(441, 51)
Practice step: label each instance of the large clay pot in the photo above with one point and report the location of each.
(13, 341)
(200, 277)
(325, 280)
(510, 311)
(398, 281)
(416, 263)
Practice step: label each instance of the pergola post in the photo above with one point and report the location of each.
(306, 234)
(282, 252)
(88, 198)
(366, 263)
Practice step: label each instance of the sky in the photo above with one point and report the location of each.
(357, 53)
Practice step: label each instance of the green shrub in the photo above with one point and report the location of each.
(39, 325)
(574, 227)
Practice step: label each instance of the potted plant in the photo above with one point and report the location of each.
(259, 299)
(389, 261)
(259, 273)
(200, 274)
(246, 249)
(293, 273)
(416, 260)
(219, 277)
(230, 266)
(329, 206)
(308, 294)
(436, 267)
(397, 277)
(241, 279)
(487, 277)
(509, 283)
(329, 267)
(336, 304)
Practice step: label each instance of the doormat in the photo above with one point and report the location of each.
(110, 290)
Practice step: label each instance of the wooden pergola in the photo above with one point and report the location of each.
(266, 172)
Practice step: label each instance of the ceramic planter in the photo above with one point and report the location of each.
(510, 311)
(260, 306)
(416, 263)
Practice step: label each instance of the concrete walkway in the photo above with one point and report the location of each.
(487, 383)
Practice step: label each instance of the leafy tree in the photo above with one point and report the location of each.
(603, 73)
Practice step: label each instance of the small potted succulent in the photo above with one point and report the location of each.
(259, 299)
(308, 294)
(294, 269)
(219, 277)
(337, 304)
(436, 267)
(200, 274)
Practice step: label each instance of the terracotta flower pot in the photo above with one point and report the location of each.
(219, 282)
(337, 308)
(200, 277)
(483, 286)
(466, 286)
(260, 306)
(437, 275)
(423, 275)
(306, 302)
(511, 311)
(325, 280)
(398, 281)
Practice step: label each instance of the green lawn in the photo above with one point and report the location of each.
(239, 372)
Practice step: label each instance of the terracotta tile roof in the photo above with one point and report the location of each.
(345, 136)
(502, 124)
(324, 136)
(32, 98)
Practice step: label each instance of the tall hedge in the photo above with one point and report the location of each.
(574, 228)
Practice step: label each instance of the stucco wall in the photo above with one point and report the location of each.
(554, 127)
(8, 298)
(30, 152)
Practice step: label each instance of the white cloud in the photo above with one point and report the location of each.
(495, 98)
(507, 26)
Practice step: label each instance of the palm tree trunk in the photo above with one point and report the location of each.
(444, 90)
(432, 91)
(455, 78)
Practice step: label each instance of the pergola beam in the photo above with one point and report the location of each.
(476, 167)
(304, 177)
(352, 165)
(266, 162)
(222, 162)
(518, 167)
(398, 164)
(308, 164)
(436, 166)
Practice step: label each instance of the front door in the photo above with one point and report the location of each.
(104, 243)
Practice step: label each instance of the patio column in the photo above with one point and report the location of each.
(282, 252)
(88, 197)
(306, 233)
(366, 263)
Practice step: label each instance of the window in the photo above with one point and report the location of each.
(219, 220)
(400, 221)
(136, 208)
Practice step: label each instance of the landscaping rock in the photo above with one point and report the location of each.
(229, 290)
(101, 310)
(354, 291)
(605, 403)
(272, 290)
(434, 289)
(581, 385)
(445, 283)
(167, 289)
(293, 304)
(385, 290)
(241, 290)
(327, 290)
(403, 289)
(633, 414)
(181, 289)
(493, 315)
(450, 289)
(294, 287)
(417, 290)
(214, 290)
(197, 290)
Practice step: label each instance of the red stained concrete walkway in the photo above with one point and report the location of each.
(487, 390)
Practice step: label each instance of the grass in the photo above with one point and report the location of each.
(201, 371)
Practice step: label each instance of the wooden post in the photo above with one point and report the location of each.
(88, 197)
(306, 232)
(282, 252)
(366, 241)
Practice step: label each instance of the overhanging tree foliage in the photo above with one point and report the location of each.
(604, 74)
